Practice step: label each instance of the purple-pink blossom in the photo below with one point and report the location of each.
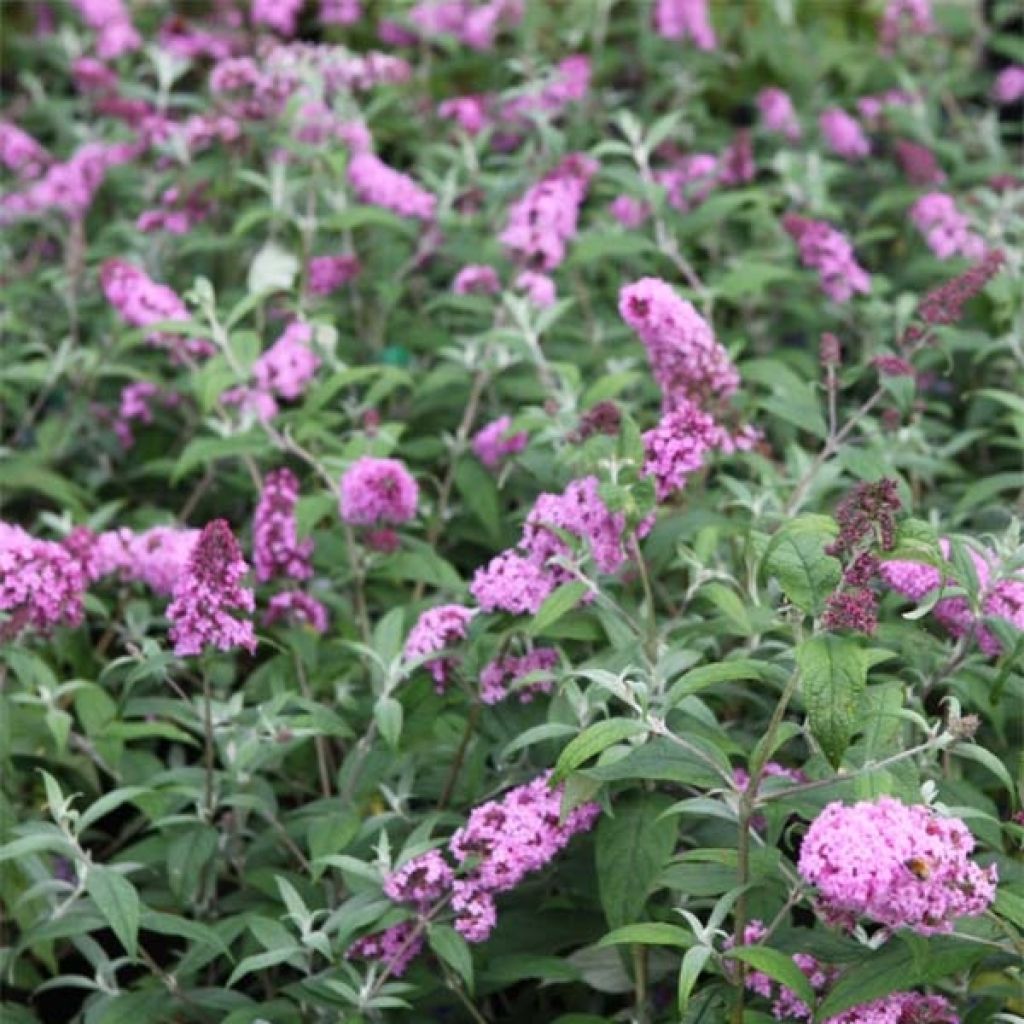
(539, 289)
(420, 881)
(543, 221)
(844, 135)
(903, 18)
(297, 609)
(379, 185)
(500, 679)
(141, 302)
(828, 251)
(505, 840)
(946, 230)
(20, 153)
(678, 446)
(470, 113)
(376, 491)
(326, 274)
(280, 15)
(277, 551)
(395, 947)
(777, 113)
(115, 33)
(685, 19)
(476, 279)
(435, 630)
(208, 595)
(493, 443)
(629, 212)
(287, 367)
(340, 12)
(686, 359)
(156, 557)
(511, 583)
(1009, 85)
(41, 583)
(897, 865)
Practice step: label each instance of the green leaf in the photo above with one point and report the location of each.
(451, 947)
(833, 676)
(109, 802)
(796, 557)
(779, 966)
(479, 492)
(654, 933)
(188, 854)
(204, 450)
(703, 676)
(694, 961)
(632, 848)
(557, 604)
(116, 899)
(896, 967)
(592, 741)
(387, 713)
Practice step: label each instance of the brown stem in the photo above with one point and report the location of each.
(209, 750)
(460, 756)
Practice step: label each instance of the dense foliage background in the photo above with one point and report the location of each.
(772, 556)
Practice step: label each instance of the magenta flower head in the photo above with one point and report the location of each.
(946, 230)
(376, 491)
(686, 359)
(678, 446)
(492, 443)
(296, 609)
(277, 550)
(41, 583)
(685, 19)
(436, 629)
(900, 866)
(374, 182)
(208, 593)
(777, 114)
(287, 367)
(844, 135)
(828, 251)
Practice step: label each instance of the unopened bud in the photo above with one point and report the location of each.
(830, 351)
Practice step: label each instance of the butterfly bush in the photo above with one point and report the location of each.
(618, 408)
(899, 866)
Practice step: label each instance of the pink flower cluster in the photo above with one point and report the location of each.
(475, 25)
(844, 135)
(277, 551)
(1009, 85)
(296, 608)
(500, 678)
(629, 212)
(280, 15)
(136, 406)
(918, 163)
(69, 187)
(325, 274)
(287, 367)
(826, 250)
(41, 583)
(538, 289)
(375, 491)
(493, 443)
(501, 843)
(896, 1008)
(395, 947)
(177, 213)
(208, 593)
(544, 220)
(468, 112)
(20, 153)
(902, 18)
(340, 12)
(476, 279)
(156, 557)
(898, 865)
(1002, 599)
(436, 630)
(777, 113)
(379, 185)
(512, 583)
(688, 362)
(141, 301)
(678, 446)
(568, 83)
(115, 33)
(685, 19)
(946, 230)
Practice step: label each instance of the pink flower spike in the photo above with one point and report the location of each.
(207, 594)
